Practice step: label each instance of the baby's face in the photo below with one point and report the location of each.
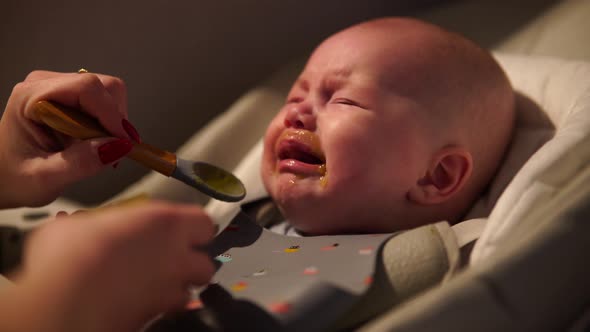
(344, 150)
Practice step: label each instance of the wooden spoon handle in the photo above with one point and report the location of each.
(154, 158)
(69, 121)
(82, 126)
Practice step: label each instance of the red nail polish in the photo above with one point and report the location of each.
(114, 150)
(131, 131)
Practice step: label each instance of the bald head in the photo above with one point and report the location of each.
(392, 124)
(468, 98)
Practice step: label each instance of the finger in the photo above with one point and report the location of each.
(188, 224)
(174, 300)
(118, 90)
(199, 268)
(96, 100)
(61, 214)
(37, 75)
(114, 85)
(80, 160)
(199, 228)
(85, 92)
(42, 75)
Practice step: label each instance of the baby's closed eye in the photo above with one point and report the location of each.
(346, 101)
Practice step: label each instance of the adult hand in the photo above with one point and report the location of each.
(115, 269)
(37, 163)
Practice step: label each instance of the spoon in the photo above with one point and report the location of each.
(211, 180)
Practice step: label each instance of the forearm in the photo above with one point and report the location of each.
(26, 307)
(9, 195)
(21, 184)
(5, 200)
(16, 312)
(9, 189)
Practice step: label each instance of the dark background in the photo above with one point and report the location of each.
(185, 61)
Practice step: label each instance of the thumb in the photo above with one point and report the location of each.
(86, 158)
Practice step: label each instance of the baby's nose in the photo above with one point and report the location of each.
(300, 116)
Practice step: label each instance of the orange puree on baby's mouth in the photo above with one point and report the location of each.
(324, 181)
(324, 176)
(304, 136)
(310, 140)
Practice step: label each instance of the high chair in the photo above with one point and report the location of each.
(518, 260)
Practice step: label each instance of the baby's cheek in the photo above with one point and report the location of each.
(275, 126)
(350, 159)
(267, 174)
(342, 179)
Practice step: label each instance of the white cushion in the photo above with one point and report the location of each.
(553, 95)
(561, 89)
(560, 31)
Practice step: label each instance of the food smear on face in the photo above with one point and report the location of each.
(305, 137)
(299, 152)
(324, 177)
(321, 171)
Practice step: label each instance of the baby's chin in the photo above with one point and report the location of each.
(331, 217)
(316, 216)
(313, 208)
(291, 187)
(313, 225)
(324, 223)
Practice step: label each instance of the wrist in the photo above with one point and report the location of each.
(51, 307)
(8, 187)
(18, 306)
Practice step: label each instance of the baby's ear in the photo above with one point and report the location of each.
(448, 173)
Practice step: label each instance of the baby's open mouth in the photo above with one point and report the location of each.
(299, 152)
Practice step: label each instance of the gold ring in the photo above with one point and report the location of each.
(82, 71)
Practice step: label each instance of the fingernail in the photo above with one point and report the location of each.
(131, 131)
(114, 150)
